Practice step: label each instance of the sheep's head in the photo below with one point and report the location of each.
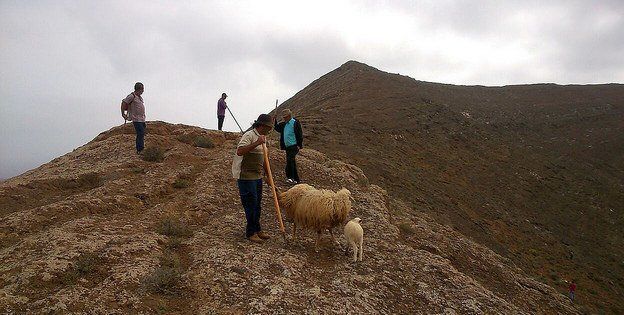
(346, 192)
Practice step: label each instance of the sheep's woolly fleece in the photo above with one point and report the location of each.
(316, 209)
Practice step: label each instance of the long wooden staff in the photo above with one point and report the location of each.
(239, 127)
(270, 177)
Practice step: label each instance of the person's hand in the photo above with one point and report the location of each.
(261, 140)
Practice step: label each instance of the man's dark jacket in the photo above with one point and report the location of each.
(298, 133)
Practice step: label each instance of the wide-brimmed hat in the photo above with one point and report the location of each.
(264, 119)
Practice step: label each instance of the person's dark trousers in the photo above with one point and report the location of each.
(139, 127)
(250, 191)
(291, 163)
(220, 118)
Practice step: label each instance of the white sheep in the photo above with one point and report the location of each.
(354, 234)
(316, 209)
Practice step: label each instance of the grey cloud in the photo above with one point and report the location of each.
(65, 65)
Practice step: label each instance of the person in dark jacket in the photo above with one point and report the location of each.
(291, 140)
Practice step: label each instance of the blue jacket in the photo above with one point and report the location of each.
(279, 127)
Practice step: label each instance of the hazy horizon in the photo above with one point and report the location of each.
(66, 65)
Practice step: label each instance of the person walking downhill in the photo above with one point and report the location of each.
(247, 168)
(133, 108)
(572, 290)
(221, 107)
(291, 140)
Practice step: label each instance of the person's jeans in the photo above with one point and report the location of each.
(139, 127)
(250, 191)
(220, 119)
(291, 163)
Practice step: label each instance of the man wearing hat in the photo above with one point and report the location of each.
(291, 140)
(247, 168)
(221, 107)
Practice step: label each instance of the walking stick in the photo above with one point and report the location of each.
(270, 177)
(239, 127)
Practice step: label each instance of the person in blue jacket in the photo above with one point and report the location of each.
(291, 140)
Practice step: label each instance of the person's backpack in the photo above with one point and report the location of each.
(125, 106)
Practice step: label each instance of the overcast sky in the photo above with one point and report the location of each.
(66, 65)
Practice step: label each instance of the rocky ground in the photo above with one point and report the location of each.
(101, 231)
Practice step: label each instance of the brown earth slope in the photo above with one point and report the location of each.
(534, 172)
(101, 231)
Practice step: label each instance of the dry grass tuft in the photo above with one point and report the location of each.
(203, 142)
(406, 229)
(173, 227)
(153, 154)
(181, 183)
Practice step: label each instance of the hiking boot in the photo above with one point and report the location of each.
(290, 181)
(263, 235)
(255, 238)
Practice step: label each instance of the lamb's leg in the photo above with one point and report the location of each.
(361, 249)
(355, 251)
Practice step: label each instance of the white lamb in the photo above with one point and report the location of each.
(355, 237)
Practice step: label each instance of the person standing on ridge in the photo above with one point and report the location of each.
(291, 140)
(247, 169)
(133, 108)
(221, 107)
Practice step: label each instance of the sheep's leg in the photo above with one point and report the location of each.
(333, 238)
(318, 240)
(361, 249)
(355, 251)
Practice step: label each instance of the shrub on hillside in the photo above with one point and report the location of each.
(406, 229)
(181, 183)
(173, 227)
(90, 180)
(203, 142)
(85, 264)
(167, 277)
(186, 138)
(153, 154)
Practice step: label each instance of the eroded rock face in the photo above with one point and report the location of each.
(97, 244)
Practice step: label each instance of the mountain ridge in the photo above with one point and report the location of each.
(86, 234)
(528, 170)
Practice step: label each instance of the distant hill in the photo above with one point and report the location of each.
(100, 230)
(534, 172)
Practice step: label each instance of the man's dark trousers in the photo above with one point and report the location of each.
(291, 163)
(250, 191)
(139, 127)
(220, 119)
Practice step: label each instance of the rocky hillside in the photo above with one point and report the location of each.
(102, 231)
(534, 172)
